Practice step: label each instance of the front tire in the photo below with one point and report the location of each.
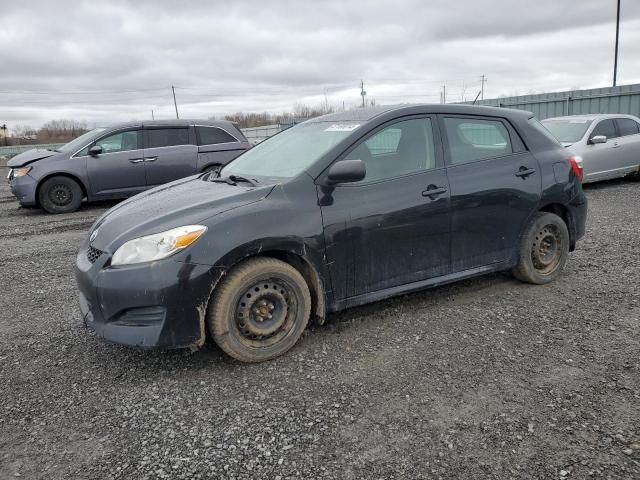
(60, 195)
(544, 249)
(259, 310)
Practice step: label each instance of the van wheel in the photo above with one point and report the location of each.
(60, 195)
(259, 310)
(544, 249)
(213, 169)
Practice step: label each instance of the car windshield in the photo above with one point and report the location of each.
(567, 130)
(287, 154)
(79, 142)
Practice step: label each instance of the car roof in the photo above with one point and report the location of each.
(369, 113)
(174, 123)
(592, 116)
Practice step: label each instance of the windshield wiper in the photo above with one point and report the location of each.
(234, 180)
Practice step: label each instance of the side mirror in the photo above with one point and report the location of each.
(95, 150)
(346, 171)
(598, 139)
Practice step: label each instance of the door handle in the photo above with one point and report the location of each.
(524, 172)
(433, 191)
(136, 160)
(150, 159)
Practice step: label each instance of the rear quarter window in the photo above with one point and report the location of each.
(213, 136)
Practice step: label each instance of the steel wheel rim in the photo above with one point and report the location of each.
(265, 312)
(546, 251)
(60, 194)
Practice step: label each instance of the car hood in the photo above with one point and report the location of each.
(29, 156)
(184, 202)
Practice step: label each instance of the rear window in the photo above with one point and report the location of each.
(627, 126)
(213, 136)
(166, 137)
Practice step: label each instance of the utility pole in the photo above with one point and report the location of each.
(483, 79)
(615, 61)
(444, 94)
(152, 117)
(175, 104)
(362, 92)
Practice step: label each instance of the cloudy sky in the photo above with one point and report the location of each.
(106, 61)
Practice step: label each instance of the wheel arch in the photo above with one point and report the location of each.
(83, 187)
(565, 214)
(293, 253)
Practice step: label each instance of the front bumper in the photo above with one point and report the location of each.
(24, 189)
(157, 304)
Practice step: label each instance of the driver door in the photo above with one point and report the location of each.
(392, 227)
(118, 171)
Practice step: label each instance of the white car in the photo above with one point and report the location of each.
(609, 144)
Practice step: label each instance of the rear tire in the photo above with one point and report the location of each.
(544, 249)
(60, 195)
(259, 310)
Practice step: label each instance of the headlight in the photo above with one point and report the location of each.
(21, 172)
(157, 246)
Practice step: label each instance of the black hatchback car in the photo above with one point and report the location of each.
(335, 212)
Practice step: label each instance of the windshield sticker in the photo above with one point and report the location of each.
(342, 128)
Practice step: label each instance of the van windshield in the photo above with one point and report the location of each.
(81, 141)
(567, 130)
(289, 153)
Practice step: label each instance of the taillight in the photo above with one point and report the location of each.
(576, 166)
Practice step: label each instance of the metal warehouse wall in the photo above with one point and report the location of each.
(621, 99)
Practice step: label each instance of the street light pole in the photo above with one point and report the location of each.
(615, 61)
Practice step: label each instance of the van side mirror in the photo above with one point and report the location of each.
(598, 139)
(95, 150)
(346, 171)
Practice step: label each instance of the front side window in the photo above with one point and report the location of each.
(626, 126)
(606, 128)
(120, 142)
(402, 148)
(166, 137)
(80, 142)
(567, 130)
(470, 140)
(213, 136)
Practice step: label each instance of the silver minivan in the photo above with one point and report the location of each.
(121, 161)
(609, 144)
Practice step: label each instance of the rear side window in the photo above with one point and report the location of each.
(626, 126)
(470, 140)
(213, 136)
(166, 137)
(606, 128)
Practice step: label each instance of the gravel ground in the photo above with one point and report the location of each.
(488, 378)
